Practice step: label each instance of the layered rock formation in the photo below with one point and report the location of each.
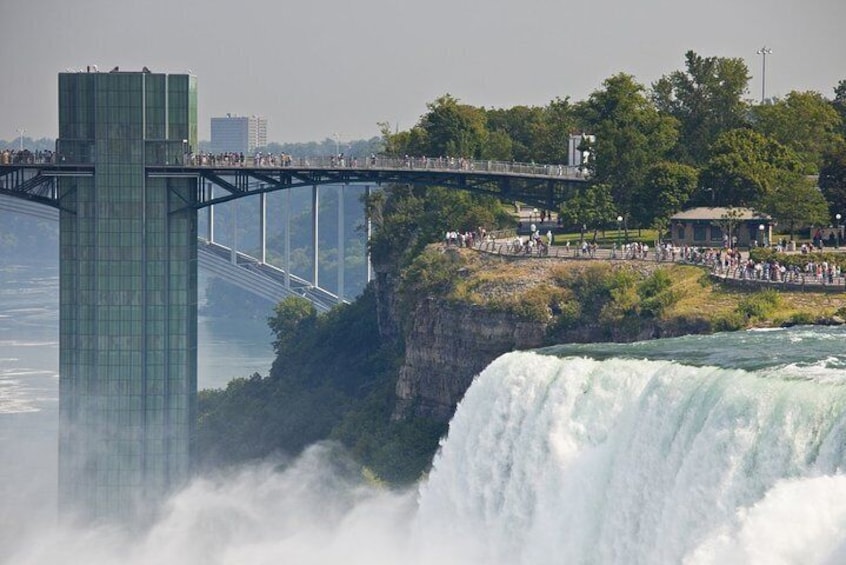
(447, 345)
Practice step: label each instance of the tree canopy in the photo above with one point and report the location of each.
(691, 139)
(630, 136)
(744, 167)
(805, 122)
(706, 99)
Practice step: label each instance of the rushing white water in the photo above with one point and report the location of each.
(575, 460)
(724, 449)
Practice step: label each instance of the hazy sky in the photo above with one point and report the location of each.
(314, 69)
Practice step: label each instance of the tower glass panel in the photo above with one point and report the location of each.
(128, 292)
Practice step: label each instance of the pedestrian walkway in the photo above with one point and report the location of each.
(733, 268)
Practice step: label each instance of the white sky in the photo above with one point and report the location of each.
(317, 68)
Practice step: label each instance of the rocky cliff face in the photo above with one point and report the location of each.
(385, 284)
(446, 346)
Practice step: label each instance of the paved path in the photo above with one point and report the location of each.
(738, 274)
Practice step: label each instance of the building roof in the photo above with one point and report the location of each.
(719, 213)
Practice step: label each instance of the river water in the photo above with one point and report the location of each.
(722, 449)
(29, 360)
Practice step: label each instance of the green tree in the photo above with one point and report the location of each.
(453, 129)
(833, 178)
(591, 208)
(728, 223)
(630, 136)
(289, 315)
(551, 134)
(839, 104)
(805, 122)
(518, 124)
(499, 146)
(405, 219)
(397, 144)
(706, 99)
(796, 203)
(744, 166)
(666, 189)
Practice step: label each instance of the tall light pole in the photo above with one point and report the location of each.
(837, 217)
(619, 229)
(21, 132)
(764, 51)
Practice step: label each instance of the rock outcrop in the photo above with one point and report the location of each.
(446, 346)
(450, 337)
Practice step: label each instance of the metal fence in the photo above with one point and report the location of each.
(830, 280)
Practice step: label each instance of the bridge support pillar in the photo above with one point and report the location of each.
(287, 250)
(369, 228)
(341, 240)
(233, 255)
(263, 226)
(315, 231)
(210, 226)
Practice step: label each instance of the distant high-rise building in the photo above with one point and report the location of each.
(128, 291)
(238, 134)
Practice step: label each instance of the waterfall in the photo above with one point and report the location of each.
(703, 450)
(574, 460)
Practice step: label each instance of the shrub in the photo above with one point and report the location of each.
(759, 305)
(540, 303)
(728, 322)
(656, 294)
(800, 319)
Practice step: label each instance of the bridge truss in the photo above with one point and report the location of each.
(539, 186)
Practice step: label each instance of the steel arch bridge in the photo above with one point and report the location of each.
(219, 181)
(541, 186)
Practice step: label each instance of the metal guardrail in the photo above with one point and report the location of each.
(262, 278)
(738, 275)
(387, 163)
(265, 280)
(260, 160)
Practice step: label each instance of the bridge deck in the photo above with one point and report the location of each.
(540, 185)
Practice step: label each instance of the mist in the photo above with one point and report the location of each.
(314, 510)
(548, 461)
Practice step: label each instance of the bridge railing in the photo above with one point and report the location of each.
(376, 162)
(382, 163)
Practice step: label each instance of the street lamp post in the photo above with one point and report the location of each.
(761, 231)
(619, 229)
(838, 216)
(764, 51)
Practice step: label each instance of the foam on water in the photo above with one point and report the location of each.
(601, 457)
(622, 461)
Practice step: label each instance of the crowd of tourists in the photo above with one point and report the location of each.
(272, 160)
(26, 157)
(454, 238)
(815, 272)
(730, 263)
(237, 159)
(725, 262)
